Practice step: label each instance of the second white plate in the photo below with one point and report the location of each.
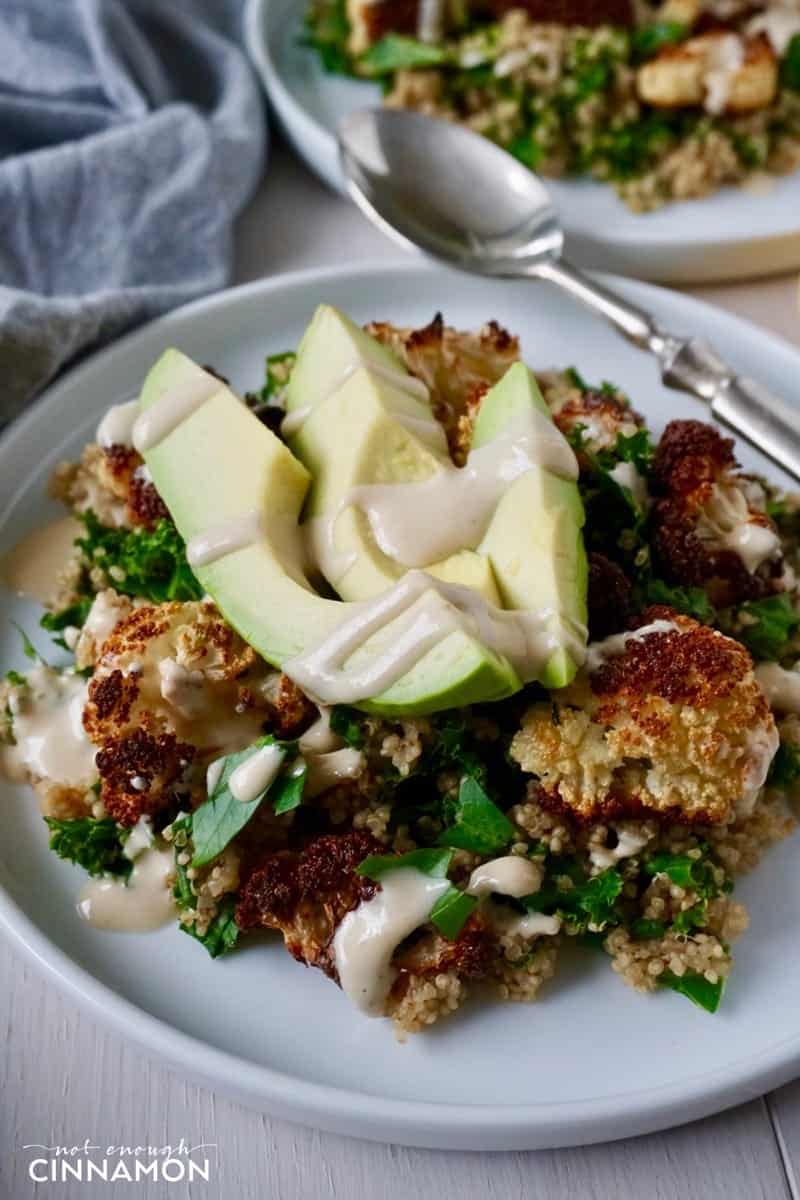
(730, 235)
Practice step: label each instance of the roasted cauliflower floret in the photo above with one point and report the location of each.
(718, 69)
(457, 367)
(114, 483)
(178, 668)
(709, 523)
(108, 609)
(666, 719)
(602, 415)
(610, 597)
(142, 774)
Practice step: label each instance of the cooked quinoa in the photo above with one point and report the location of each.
(630, 800)
(665, 102)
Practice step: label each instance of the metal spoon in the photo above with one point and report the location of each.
(442, 189)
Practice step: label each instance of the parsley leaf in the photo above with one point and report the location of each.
(695, 988)
(776, 622)
(649, 39)
(396, 52)
(286, 792)
(790, 65)
(451, 911)
(95, 845)
(346, 723)
(784, 770)
(692, 601)
(216, 822)
(479, 825)
(223, 932)
(146, 562)
(435, 863)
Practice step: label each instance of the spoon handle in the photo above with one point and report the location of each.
(692, 365)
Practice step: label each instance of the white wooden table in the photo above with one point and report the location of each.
(63, 1078)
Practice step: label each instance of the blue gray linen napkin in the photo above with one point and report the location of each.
(131, 133)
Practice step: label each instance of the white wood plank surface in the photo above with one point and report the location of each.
(63, 1078)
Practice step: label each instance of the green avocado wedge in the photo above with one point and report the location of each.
(220, 465)
(535, 540)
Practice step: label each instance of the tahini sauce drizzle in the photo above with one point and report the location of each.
(32, 566)
(781, 687)
(369, 935)
(144, 903)
(47, 724)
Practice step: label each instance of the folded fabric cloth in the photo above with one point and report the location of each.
(131, 133)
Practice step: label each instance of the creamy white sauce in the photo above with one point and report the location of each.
(145, 903)
(295, 420)
(319, 738)
(779, 24)
(781, 687)
(511, 875)
(725, 58)
(369, 935)
(626, 475)
(116, 427)
(214, 774)
(175, 406)
(407, 518)
(430, 20)
(726, 522)
(531, 925)
(326, 770)
(428, 610)
(256, 773)
(226, 538)
(761, 747)
(182, 689)
(598, 653)
(627, 845)
(47, 725)
(31, 568)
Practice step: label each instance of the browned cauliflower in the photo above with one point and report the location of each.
(173, 683)
(114, 483)
(601, 414)
(457, 367)
(709, 523)
(667, 718)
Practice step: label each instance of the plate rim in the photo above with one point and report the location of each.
(325, 162)
(345, 1110)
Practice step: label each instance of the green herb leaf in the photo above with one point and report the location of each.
(643, 929)
(784, 770)
(74, 616)
(695, 988)
(435, 863)
(28, 648)
(776, 622)
(279, 369)
(328, 30)
(216, 822)
(790, 65)
(16, 679)
(223, 932)
(695, 873)
(347, 723)
(454, 749)
(691, 918)
(286, 792)
(395, 52)
(692, 601)
(95, 845)
(649, 39)
(479, 826)
(451, 911)
(588, 904)
(148, 562)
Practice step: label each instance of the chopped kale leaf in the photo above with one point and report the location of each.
(95, 845)
(141, 562)
(771, 623)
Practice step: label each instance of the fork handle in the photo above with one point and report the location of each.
(767, 422)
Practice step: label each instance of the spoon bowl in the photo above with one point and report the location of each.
(438, 187)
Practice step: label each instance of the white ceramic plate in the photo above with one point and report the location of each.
(731, 235)
(591, 1060)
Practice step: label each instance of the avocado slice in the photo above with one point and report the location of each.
(367, 431)
(534, 541)
(331, 348)
(220, 464)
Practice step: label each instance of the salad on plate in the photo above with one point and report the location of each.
(432, 664)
